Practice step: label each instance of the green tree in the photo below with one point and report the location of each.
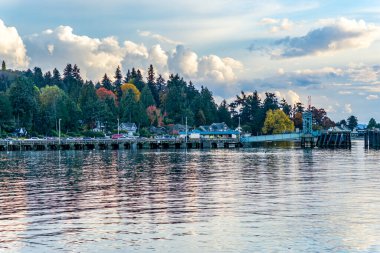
(352, 122)
(38, 78)
(23, 98)
(106, 82)
(277, 122)
(372, 123)
(3, 66)
(118, 82)
(6, 118)
(146, 97)
(224, 114)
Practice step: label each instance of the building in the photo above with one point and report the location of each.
(214, 131)
(128, 127)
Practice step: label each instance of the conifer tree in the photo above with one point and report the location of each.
(3, 66)
(106, 82)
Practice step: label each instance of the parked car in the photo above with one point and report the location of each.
(117, 136)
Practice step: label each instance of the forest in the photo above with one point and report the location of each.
(36, 101)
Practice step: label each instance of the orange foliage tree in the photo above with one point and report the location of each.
(103, 94)
(154, 115)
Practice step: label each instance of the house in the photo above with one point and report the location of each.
(176, 129)
(20, 132)
(341, 128)
(157, 130)
(99, 127)
(129, 127)
(214, 131)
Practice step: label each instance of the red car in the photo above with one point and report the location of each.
(117, 136)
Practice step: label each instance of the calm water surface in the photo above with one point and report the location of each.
(252, 200)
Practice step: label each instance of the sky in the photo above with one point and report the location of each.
(326, 49)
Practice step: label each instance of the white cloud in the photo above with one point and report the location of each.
(335, 34)
(12, 48)
(277, 25)
(347, 108)
(96, 56)
(290, 96)
(372, 97)
(159, 37)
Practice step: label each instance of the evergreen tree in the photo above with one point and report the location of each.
(152, 84)
(38, 78)
(372, 123)
(286, 108)
(106, 82)
(160, 84)
(118, 82)
(76, 74)
(3, 66)
(48, 79)
(56, 79)
(146, 97)
(6, 118)
(23, 98)
(224, 114)
(128, 77)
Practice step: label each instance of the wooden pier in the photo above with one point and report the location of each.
(334, 139)
(103, 144)
(372, 139)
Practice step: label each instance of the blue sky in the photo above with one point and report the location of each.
(327, 49)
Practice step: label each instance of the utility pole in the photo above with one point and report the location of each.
(239, 129)
(59, 131)
(118, 126)
(186, 132)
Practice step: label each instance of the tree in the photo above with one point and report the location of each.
(38, 78)
(103, 94)
(286, 108)
(270, 102)
(106, 82)
(152, 84)
(277, 122)
(118, 81)
(23, 98)
(147, 97)
(154, 115)
(3, 66)
(6, 118)
(56, 79)
(129, 86)
(224, 114)
(372, 123)
(48, 78)
(352, 122)
(298, 121)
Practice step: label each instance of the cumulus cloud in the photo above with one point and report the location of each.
(290, 96)
(159, 37)
(277, 25)
(337, 34)
(96, 56)
(372, 97)
(12, 48)
(347, 108)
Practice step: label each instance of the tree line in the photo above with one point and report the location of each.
(36, 101)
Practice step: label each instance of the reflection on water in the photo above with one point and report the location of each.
(263, 199)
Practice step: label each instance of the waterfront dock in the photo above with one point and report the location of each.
(115, 144)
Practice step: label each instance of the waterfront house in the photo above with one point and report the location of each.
(157, 130)
(214, 131)
(129, 127)
(99, 127)
(176, 129)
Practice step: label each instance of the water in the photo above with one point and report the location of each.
(252, 200)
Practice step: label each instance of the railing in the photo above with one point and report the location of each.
(274, 137)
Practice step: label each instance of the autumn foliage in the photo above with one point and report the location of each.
(129, 86)
(103, 94)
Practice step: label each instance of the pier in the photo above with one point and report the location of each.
(372, 139)
(115, 144)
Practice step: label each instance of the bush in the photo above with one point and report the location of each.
(93, 134)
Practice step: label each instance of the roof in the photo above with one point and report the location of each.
(228, 132)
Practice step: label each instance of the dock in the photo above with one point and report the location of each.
(115, 144)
